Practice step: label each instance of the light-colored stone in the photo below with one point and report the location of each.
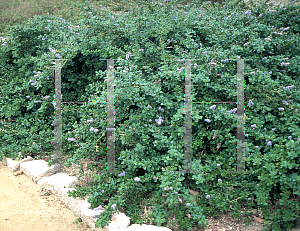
(60, 184)
(137, 227)
(4, 161)
(37, 169)
(59, 180)
(14, 165)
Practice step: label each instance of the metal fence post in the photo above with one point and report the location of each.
(240, 136)
(110, 117)
(188, 152)
(240, 118)
(58, 124)
(188, 120)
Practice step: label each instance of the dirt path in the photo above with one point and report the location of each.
(23, 206)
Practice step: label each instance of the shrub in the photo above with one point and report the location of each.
(149, 106)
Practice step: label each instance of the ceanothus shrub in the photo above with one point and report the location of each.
(149, 106)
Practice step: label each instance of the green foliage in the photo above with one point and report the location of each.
(147, 43)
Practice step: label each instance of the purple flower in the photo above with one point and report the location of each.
(137, 179)
(71, 139)
(159, 121)
(254, 125)
(218, 165)
(281, 109)
(160, 108)
(220, 180)
(212, 107)
(286, 103)
(250, 103)
(232, 110)
(188, 204)
(122, 174)
(269, 143)
(128, 54)
(288, 87)
(268, 39)
(180, 69)
(113, 206)
(207, 120)
(208, 196)
(125, 69)
(98, 208)
(290, 137)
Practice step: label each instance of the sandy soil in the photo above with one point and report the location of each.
(23, 206)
